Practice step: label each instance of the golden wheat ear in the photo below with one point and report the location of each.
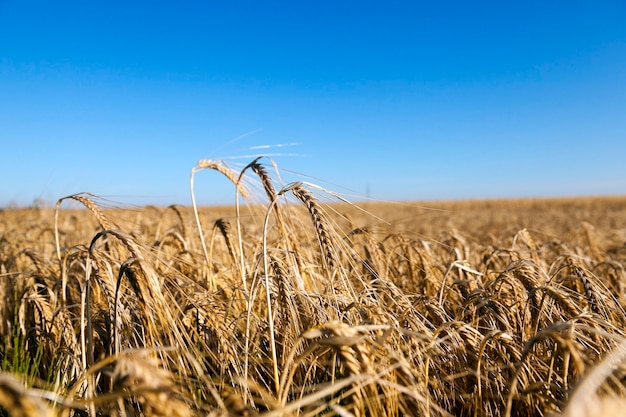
(321, 225)
(152, 385)
(263, 175)
(221, 167)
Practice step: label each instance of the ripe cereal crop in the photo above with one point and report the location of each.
(295, 302)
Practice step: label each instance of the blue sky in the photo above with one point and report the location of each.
(395, 101)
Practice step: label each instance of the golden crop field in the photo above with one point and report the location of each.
(312, 306)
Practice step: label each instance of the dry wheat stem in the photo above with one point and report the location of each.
(270, 317)
(102, 220)
(222, 168)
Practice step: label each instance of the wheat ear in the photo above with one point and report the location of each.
(323, 236)
(224, 227)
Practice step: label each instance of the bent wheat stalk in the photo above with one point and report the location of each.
(221, 167)
(99, 215)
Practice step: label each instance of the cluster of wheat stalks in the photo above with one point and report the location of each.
(304, 307)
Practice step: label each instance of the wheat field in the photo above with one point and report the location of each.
(295, 302)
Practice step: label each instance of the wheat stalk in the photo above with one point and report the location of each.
(221, 167)
(93, 208)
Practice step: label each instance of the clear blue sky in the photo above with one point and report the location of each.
(396, 100)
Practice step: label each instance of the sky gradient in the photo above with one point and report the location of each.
(401, 101)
